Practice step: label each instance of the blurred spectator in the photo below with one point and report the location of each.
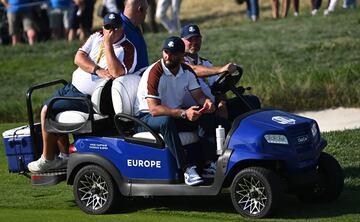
(133, 16)
(275, 8)
(18, 11)
(331, 7)
(296, 4)
(315, 6)
(59, 17)
(349, 3)
(81, 19)
(252, 8)
(333, 3)
(152, 12)
(286, 9)
(172, 24)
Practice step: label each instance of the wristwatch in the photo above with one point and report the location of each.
(183, 114)
(95, 69)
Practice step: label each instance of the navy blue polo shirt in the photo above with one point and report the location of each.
(136, 37)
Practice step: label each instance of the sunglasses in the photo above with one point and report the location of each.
(111, 27)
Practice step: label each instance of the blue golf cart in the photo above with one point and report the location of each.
(266, 153)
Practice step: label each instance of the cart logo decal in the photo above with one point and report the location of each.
(302, 139)
(144, 163)
(283, 120)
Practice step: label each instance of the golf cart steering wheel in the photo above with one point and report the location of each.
(226, 81)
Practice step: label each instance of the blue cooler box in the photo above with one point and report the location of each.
(18, 148)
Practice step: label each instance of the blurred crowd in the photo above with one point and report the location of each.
(40, 20)
(282, 7)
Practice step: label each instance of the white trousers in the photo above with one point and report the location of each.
(171, 24)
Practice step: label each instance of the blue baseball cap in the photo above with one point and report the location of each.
(112, 21)
(190, 30)
(174, 44)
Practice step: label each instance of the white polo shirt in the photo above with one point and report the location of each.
(94, 47)
(159, 83)
(205, 82)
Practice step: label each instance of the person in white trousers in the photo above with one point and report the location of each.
(172, 24)
(332, 6)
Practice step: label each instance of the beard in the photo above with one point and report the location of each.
(171, 64)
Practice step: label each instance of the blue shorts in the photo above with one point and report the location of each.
(63, 105)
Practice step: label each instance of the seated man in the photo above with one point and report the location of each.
(160, 95)
(207, 73)
(106, 54)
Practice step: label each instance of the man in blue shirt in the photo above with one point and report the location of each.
(59, 17)
(134, 14)
(18, 11)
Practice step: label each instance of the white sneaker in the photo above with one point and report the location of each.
(327, 12)
(314, 12)
(253, 18)
(210, 171)
(42, 165)
(192, 178)
(296, 14)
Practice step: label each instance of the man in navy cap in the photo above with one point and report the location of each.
(106, 54)
(159, 101)
(207, 73)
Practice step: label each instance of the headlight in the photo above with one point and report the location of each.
(314, 130)
(277, 139)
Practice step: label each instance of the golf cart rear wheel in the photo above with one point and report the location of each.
(255, 192)
(94, 190)
(330, 182)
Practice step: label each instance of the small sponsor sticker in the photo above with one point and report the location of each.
(98, 146)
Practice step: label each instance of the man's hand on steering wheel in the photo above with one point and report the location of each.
(230, 67)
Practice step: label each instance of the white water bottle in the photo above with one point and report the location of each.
(220, 139)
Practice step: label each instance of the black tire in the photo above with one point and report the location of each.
(330, 182)
(94, 190)
(256, 192)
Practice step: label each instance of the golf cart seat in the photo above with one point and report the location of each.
(72, 121)
(123, 92)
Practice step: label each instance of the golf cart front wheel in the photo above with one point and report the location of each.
(94, 190)
(255, 192)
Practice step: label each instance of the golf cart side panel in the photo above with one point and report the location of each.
(135, 161)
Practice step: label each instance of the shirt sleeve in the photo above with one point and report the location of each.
(87, 46)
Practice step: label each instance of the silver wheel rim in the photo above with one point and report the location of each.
(250, 195)
(93, 191)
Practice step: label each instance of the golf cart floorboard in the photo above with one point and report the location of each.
(52, 177)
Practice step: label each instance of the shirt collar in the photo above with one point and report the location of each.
(120, 41)
(193, 61)
(168, 72)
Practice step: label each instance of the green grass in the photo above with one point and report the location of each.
(19, 201)
(302, 63)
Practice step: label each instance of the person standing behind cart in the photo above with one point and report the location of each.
(18, 11)
(159, 98)
(106, 54)
(133, 16)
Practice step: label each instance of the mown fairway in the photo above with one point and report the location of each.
(302, 63)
